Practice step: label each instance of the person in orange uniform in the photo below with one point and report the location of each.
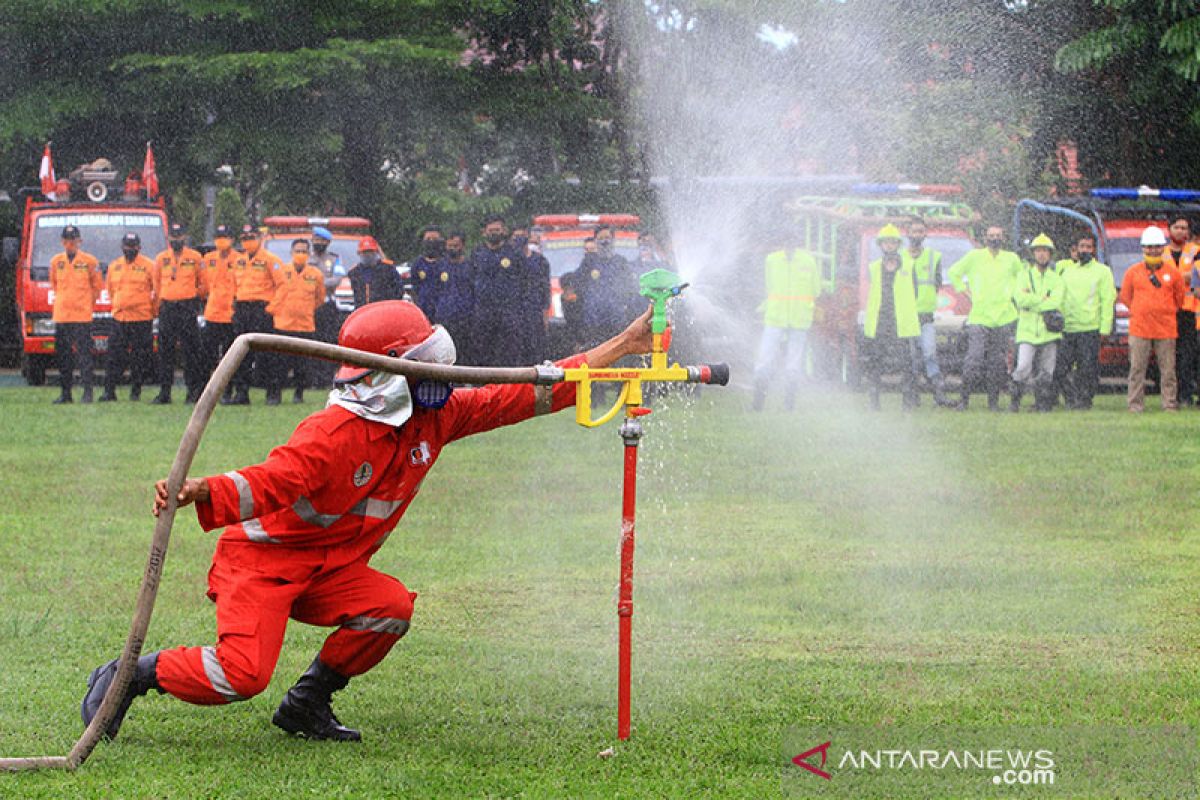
(217, 276)
(1153, 292)
(76, 283)
(180, 289)
(301, 292)
(256, 277)
(1181, 254)
(130, 281)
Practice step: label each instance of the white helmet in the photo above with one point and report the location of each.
(1153, 237)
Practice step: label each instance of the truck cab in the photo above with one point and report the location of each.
(840, 231)
(104, 210)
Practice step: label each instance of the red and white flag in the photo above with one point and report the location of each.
(46, 173)
(149, 176)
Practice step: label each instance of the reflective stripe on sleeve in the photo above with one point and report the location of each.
(396, 627)
(245, 496)
(216, 675)
(305, 511)
(375, 508)
(255, 533)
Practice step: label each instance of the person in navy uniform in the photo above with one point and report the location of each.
(445, 291)
(598, 295)
(509, 322)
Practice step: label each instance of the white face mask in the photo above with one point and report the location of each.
(384, 397)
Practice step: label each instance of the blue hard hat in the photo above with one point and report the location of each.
(322, 233)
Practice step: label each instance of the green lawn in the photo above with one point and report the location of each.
(829, 567)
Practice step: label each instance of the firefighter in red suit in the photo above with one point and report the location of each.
(301, 527)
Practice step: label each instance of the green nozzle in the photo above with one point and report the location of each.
(660, 285)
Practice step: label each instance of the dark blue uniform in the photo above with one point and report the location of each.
(511, 294)
(372, 284)
(446, 293)
(606, 297)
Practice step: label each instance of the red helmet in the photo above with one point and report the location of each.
(389, 328)
(368, 243)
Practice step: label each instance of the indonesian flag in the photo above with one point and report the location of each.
(46, 173)
(149, 176)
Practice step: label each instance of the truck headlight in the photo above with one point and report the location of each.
(43, 327)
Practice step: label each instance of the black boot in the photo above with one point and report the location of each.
(64, 397)
(145, 678)
(241, 397)
(305, 710)
(163, 398)
(939, 392)
(298, 396)
(87, 395)
(135, 394)
(273, 397)
(109, 396)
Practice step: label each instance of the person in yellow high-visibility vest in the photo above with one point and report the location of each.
(793, 283)
(891, 325)
(927, 267)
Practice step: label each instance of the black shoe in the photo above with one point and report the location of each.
(162, 399)
(298, 397)
(87, 395)
(240, 398)
(135, 394)
(191, 398)
(108, 396)
(63, 398)
(273, 398)
(305, 710)
(144, 679)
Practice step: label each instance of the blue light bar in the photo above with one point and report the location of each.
(1145, 192)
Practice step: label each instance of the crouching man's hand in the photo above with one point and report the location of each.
(634, 340)
(193, 490)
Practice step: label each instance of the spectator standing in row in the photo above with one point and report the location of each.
(179, 288)
(1181, 254)
(892, 324)
(927, 267)
(1153, 292)
(301, 291)
(76, 283)
(218, 270)
(328, 317)
(507, 332)
(987, 274)
(1039, 290)
(1088, 297)
(423, 271)
(256, 277)
(446, 293)
(372, 280)
(130, 281)
(793, 282)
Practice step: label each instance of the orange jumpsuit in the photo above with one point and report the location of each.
(179, 286)
(301, 527)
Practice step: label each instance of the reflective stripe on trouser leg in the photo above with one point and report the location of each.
(361, 643)
(195, 675)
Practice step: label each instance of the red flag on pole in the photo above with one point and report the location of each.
(149, 176)
(46, 173)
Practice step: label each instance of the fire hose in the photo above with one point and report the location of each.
(658, 285)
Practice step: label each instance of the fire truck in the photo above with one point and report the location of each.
(281, 230)
(840, 231)
(563, 237)
(104, 208)
(1116, 216)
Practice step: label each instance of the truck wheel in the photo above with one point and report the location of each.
(33, 370)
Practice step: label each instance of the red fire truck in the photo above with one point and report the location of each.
(104, 209)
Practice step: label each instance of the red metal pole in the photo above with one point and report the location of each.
(631, 432)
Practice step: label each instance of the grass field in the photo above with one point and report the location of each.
(825, 568)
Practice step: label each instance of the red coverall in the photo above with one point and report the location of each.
(303, 525)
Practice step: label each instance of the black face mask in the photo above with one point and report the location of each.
(454, 254)
(176, 245)
(604, 245)
(519, 242)
(995, 244)
(320, 246)
(130, 252)
(370, 259)
(1085, 258)
(495, 238)
(434, 248)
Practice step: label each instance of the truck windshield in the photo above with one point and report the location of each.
(1123, 253)
(101, 236)
(346, 249)
(564, 255)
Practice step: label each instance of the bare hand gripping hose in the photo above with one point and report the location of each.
(545, 375)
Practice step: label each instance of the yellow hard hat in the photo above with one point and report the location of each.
(888, 231)
(1042, 240)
